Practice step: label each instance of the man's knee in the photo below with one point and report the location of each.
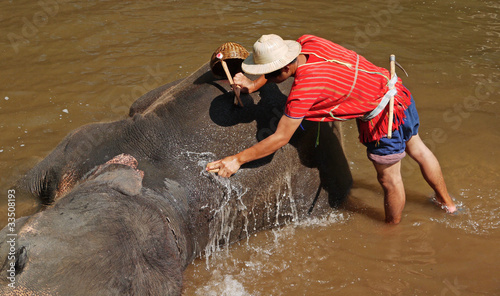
(417, 149)
(421, 153)
(389, 181)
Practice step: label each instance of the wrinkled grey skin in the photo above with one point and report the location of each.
(111, 229)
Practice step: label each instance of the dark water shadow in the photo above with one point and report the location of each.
(264, 107)
(320, 147)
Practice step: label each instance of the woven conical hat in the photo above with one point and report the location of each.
(233, 54)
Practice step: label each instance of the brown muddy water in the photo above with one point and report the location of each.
(68, 63)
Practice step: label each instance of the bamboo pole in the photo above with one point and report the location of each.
(391, 99)
(230, 78)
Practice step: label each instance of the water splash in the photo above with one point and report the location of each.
(224, 214)
(201, 158)
(230, 214)
(478, 212)
(281, 198)
(228, 273)
(224, 211)
(223, 285)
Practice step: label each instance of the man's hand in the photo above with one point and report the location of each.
(225, 167)
(247, 85)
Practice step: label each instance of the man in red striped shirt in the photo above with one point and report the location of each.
(332, 83)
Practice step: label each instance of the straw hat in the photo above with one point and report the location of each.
(270, 53)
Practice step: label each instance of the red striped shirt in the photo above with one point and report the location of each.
(328, 88)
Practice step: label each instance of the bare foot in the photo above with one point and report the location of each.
(450, 207)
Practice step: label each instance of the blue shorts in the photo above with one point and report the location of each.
(389, 151)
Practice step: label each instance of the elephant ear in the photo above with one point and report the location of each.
(122, 179)
(120, 174)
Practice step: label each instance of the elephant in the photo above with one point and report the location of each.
(128, 205)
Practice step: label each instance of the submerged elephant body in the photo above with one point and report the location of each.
(130, 204)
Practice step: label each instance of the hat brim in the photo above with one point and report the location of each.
(250, 67)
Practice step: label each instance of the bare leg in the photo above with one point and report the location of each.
(389, 176)
(431, 170)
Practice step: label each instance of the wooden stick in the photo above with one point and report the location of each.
(214, 171)
(228, 74)
(391, 99)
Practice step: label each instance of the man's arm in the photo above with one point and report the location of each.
(231, 164)
(247, 85)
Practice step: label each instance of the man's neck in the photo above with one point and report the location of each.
(301, 60)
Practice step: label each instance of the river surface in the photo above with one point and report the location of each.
(68, 63)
